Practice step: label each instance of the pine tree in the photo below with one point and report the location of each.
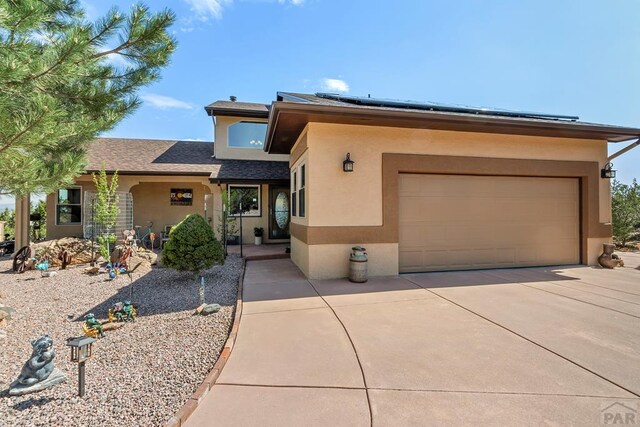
(60, 85)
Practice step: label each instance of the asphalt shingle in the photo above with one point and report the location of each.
(171, 157)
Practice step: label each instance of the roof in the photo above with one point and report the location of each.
(170, 157)
(235, 108)
(291, 112)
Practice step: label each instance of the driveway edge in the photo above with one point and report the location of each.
(180, 417)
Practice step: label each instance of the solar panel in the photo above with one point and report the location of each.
(435, 106)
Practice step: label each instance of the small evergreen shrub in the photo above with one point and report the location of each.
(192, 246)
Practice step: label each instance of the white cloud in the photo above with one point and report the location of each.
(205, 9)
(334, 85)
(165, 102)
(117, 60)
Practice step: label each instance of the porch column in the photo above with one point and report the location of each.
(23, 210)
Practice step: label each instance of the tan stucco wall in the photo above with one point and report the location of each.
(151, 201)
(223, 151)
(335, 198)
(57, 231)
(356, 198)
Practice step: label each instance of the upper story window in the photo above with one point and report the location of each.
(247, 135)
(69, 206)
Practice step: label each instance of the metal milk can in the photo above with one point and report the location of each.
(358, 264)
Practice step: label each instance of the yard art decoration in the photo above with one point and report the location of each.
(123, 312)
(92, 326)
(608, 259)
(39, 372)
(114, 270)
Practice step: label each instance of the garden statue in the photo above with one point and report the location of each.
(117, 312)
(608, 259)
(92, 326)
(122, 312)
(38, 373)
(130, 311)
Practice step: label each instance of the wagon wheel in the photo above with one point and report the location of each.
(21, 259)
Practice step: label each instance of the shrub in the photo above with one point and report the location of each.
(625, 208)
(192, 246)
(105, 241)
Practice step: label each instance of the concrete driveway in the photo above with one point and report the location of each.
(558, 346)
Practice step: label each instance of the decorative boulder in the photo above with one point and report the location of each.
(140, 256)
(78, 250)
(210, 309)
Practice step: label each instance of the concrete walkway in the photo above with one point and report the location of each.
(494, 347)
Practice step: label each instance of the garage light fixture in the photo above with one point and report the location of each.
(347, 165)
(608, 172)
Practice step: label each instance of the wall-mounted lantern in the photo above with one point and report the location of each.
(347, 165)
(608, 172)
(81, 351)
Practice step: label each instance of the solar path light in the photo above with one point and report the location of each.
(81, 351)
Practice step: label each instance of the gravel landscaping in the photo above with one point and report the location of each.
(140, 374)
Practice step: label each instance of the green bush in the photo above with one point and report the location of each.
(192, 246)
(106, 241)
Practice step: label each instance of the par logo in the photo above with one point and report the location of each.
(619, 413)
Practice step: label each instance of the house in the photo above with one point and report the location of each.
(432, 187)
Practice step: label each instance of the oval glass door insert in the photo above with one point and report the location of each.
(282, 210)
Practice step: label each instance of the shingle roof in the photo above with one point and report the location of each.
(171, 157)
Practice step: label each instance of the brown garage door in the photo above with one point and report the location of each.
(457, 222)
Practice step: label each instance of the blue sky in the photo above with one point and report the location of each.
(579, 57)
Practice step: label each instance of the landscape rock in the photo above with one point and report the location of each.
(112, 326)
(92, 270)
(5, 312)
(78, 249)
(210, 309)
(141, 255)
(200, 308)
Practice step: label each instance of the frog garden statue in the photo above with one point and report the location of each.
(92, 326)
(130, 311)
(38, 373)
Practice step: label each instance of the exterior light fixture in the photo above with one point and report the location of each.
(607, 172)
(81, 351)
(347, 164)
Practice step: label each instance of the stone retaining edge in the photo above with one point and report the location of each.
(180, 417)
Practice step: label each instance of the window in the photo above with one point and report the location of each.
(294, 187)
(248, 196)
(247, 135)
(69, 206)
(301, 209)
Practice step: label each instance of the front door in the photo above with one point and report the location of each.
(279, 215)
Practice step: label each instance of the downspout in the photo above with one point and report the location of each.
(624, 150)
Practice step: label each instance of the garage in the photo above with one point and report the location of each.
(461, 222)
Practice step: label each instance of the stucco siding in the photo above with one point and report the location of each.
(338, 199)
(348, 199)
(223, 151)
